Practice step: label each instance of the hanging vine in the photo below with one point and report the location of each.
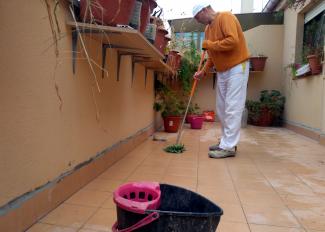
(295, 4)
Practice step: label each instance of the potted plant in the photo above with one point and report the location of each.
(293, 69)
(171, 108)
(313, 46)
(268, 110)
(174, 55)
(258, 62)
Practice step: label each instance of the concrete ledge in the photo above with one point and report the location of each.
(23, 212)
(308, 133)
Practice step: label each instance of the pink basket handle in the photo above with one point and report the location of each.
(145, 221)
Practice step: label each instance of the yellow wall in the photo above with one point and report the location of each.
(38, 141)
(259, 42)
(305, 97)
(270, 78)
(205, 95)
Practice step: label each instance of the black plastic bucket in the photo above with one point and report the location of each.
(180, 210)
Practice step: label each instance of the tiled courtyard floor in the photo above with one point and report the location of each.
(276, 183)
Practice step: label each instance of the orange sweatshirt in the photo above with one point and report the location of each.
(225, 43)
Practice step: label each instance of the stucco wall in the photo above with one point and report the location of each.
(305, 97)
(205, 95)
(258, 40)
(266, 40)
(38, 140)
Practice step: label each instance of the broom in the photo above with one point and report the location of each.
(180, 148)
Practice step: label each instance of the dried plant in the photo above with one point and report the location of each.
(295, 4)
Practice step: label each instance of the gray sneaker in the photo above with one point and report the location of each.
(219, 154)
(217, 148)
(214, 147)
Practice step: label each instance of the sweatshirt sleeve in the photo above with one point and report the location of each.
(229, 29)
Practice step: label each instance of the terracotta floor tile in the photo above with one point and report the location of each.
(144, 177)
(40, 227)
(310, 220)
(225, 226)
(232, 213)
(124, 165)
(214, 174)
(315, 181)
(109, 203)
(183, 181)
(264, 215)
(88, 198)
(155, 162)
(310, 211)
(279, 187)
(118, 175)
(261, 186)
(88, 230)
(147, 169)
(182, 171)
(69, 215)
(103, 220)
(219, 195)
(291, 186)
(262, 228)
(175, 162)
(103, 185)
(251, 197)
(215, 183)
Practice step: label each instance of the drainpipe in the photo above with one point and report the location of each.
(270, 6)
(323, 99)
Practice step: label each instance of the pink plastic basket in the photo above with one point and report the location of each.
(197, 122)
(137, 197)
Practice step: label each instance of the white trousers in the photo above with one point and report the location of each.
(231, 96)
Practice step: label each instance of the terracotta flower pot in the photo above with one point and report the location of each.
(161, 40)
(174, 59)
(147, 8)
(258, 63)
(315, 65)
(171, 123)
(189, 117)
(145, 15)
(108, 12)
(265, 119)
(197, 122)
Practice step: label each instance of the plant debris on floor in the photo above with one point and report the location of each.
(175, 148)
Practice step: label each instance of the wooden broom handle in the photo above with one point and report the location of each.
(199, 68)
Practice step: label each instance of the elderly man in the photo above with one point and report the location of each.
(228, 53)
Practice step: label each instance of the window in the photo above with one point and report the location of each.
(314, 29)
(187, 37)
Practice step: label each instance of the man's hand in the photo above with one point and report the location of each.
(205, 44)
(199, 75)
